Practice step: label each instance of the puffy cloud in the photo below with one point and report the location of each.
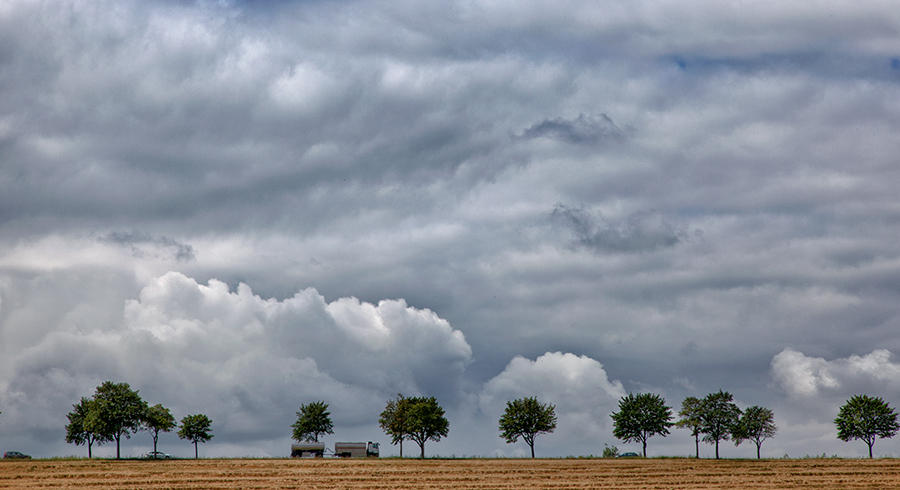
(246, 361)
(578, 386)
(805, 377)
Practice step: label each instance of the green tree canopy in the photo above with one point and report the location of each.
(864, 417)
(313, 420)
(690, 419)
(394, 420)
(640, 417)
(718, 417)
(156, 419)
(425, 420)
(76, 432)
(757, 424)
(119, 411)
(195, 428)
(526, 418)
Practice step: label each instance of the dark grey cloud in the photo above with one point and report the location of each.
(139, 243)
(638, 232)
(732, 169)
(581, 130)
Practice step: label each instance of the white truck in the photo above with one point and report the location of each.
(341, 450)
(356, 449)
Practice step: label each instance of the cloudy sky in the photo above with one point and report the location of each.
(239, 207)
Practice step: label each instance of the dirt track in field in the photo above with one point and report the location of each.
(450, 474)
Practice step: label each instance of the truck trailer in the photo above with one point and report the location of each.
(308, 450)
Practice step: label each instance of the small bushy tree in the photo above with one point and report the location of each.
(690, 419)
(757, 424)
(718, 417)
(313, 420)
(426, 421)
(76, 430)
(118, 412)
(610, 451)
(864, 417)
(640, 417)
(394, 420)
(195, 428)
(526, 418)
(158, 418)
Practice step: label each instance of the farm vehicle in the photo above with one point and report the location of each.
(341, 450)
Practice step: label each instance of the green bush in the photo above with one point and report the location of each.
(610, 451)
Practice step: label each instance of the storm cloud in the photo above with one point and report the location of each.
(239, 207)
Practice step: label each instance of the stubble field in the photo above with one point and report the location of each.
(450, 474)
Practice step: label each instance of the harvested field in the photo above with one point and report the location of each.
(451, 474)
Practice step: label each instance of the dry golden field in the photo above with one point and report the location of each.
(450, 474)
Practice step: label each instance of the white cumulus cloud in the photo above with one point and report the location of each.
(804, 377)
(578, 386)
(246, 361)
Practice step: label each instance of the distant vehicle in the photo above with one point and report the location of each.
(15, 455)
(341, 450)
(157, 455)
(308, 450)
(356, 449)
(629, 455)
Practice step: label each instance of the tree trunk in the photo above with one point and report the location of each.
(870, 451)
(717, 449)
(118, 437)
(195, 450)
(532, 450)
(423, 450)
(401, 448)
(645, 447)
(757, 450)
(697, 443)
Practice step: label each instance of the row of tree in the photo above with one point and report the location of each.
(717, 418)
(116, 411)
(644, 415)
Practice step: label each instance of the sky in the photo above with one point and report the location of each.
(241, 207)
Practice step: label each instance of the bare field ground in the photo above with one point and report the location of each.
(450, 474)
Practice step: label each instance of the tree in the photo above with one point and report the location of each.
(610, 451)
(119, 411)
(394, 421)
(195, 428)
(640, 417)
(313, 420)
(718, 416)
(690, 419)
(158, 418)
(864, 417)
(425, 420)
(757, 424)
(526, 418)
(76, 431)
